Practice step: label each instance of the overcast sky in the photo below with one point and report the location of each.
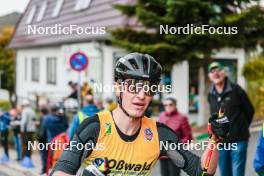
(9, 6)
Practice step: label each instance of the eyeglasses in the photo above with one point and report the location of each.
(214, 70)
(135, 86)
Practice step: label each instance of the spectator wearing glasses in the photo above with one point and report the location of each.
(180, 125)
(239, 110)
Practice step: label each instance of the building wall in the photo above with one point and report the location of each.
(99, 70)
(110, 54)
(25, 87)
(180, 85)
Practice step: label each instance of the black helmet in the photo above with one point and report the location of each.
(138, 66)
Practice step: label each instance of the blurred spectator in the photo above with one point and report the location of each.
(110, 104)
(28, 128)
(4, 125)
(193, 100)
(85, 90)
(42, 138)
(259, 156)
(179, 124)
(54, 122)
(99, 104)
(74, 90)
(15, 125)
(88, 110)
(239, 110)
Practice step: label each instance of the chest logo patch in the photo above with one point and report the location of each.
(148, 134)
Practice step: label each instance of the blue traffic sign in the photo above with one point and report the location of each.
(79, 61)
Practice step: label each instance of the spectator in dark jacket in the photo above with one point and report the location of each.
(239, 111)
(42, 138)
(54, 123)
(180, 125)
(15, 125)
(4, 125)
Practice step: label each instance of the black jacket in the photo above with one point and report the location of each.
(238, 109)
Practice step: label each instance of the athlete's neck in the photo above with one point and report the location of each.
(126, 125)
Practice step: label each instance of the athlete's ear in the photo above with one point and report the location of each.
(117, 88)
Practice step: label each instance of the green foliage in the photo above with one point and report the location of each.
(254, 69)
(147, 16)
(254, 73)
(7, 60)
(5, 105)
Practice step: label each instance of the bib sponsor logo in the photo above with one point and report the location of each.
(148, 134)
(108, 128)
(123, 165)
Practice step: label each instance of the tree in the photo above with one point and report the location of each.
(254, 73)
(7, 60)
(150, 15)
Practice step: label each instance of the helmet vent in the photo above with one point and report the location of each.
(155, 67)
(145, 65)
(122, 67)
(133, 63)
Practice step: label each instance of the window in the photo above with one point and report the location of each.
(82, 4)
(51, 70)
(31, 15)
(57, 8)
(35, 69)
(42, 11)
(25, 68)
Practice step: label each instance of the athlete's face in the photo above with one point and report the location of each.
(134, 102)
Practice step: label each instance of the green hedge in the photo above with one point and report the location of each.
(5, 105)
(254, 73)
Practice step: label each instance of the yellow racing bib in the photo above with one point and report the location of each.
(126, 158)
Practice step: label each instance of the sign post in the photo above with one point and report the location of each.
(79, 62)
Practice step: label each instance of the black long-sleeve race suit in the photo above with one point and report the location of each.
(88, 132)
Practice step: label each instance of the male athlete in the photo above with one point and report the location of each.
(129, 143)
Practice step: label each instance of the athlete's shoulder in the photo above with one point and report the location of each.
(90, 127)
(163, 126)
(166, 133)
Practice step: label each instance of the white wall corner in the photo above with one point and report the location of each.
(180, 86)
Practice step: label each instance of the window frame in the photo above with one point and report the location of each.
(49, 78)
(35, 72)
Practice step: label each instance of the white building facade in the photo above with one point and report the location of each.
(42, 63)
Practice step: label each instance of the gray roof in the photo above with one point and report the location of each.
(9, 20)
(100, 13)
